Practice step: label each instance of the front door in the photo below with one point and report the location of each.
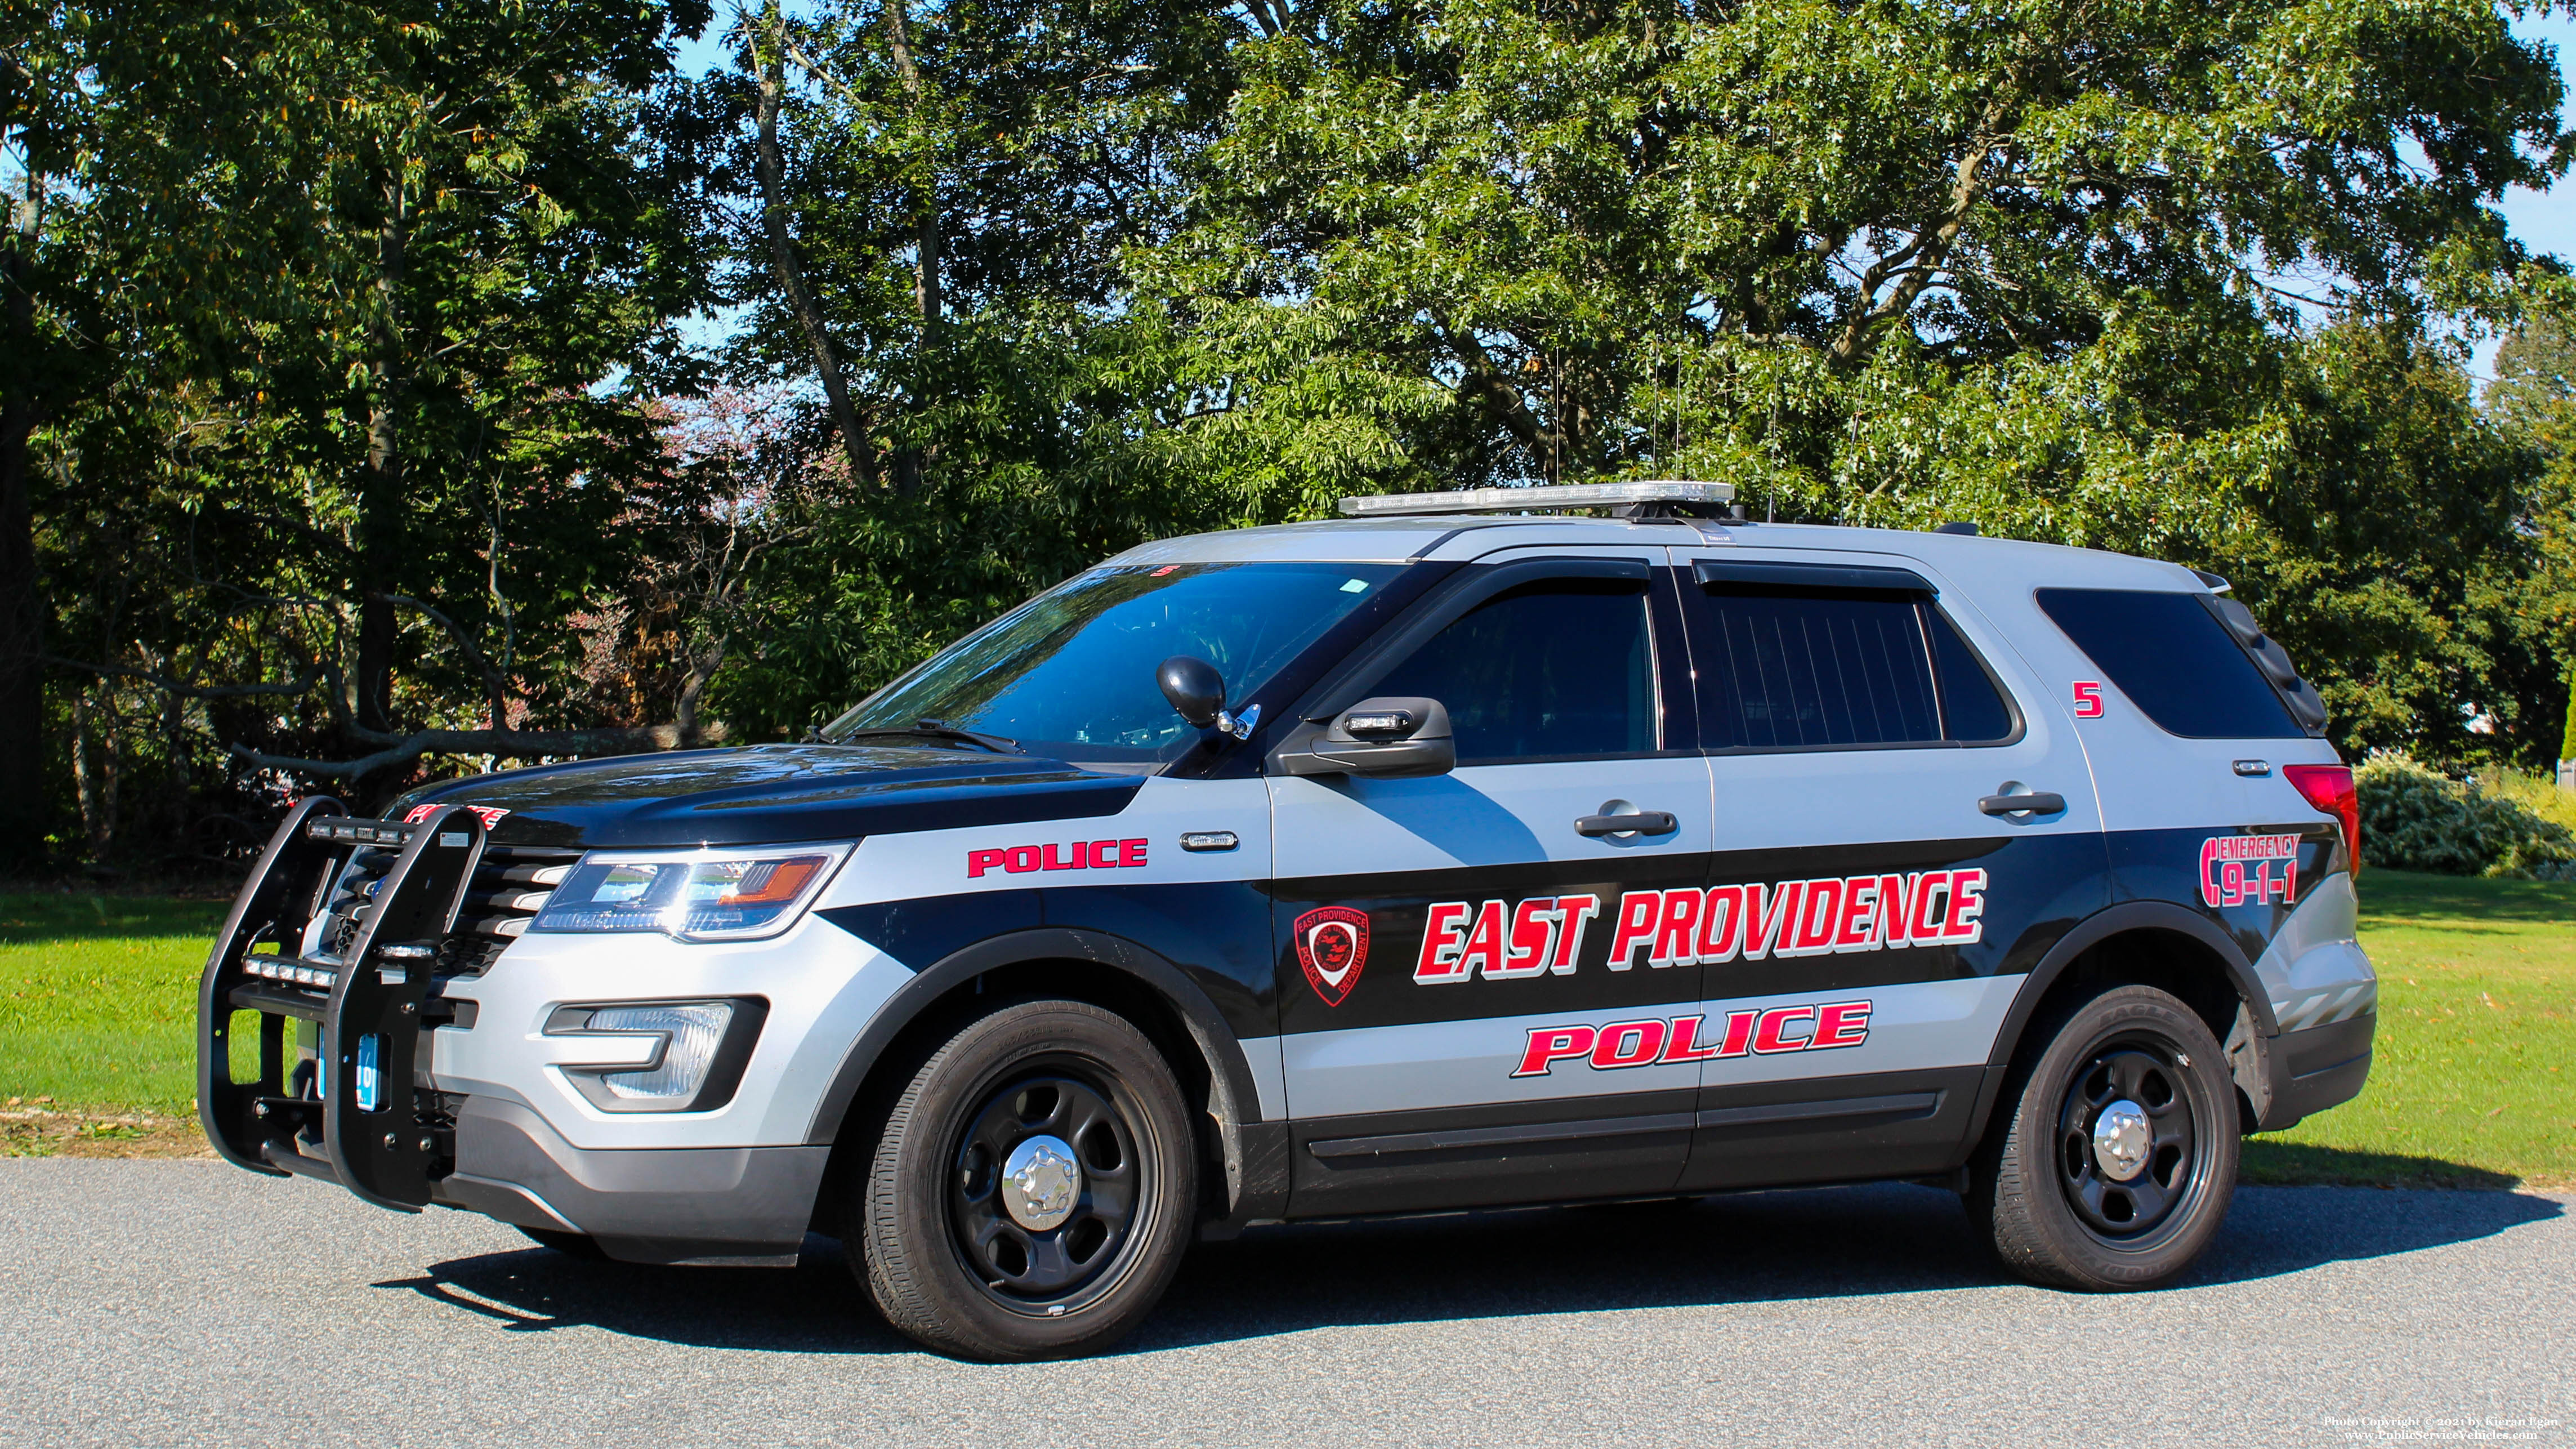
(1874, 894)
(1466, 1017)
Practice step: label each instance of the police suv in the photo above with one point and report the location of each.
(1452, 853)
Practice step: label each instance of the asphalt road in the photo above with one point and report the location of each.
(191, 1303)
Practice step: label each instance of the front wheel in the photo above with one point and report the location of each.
(2116, 1162)
(1031, 1193)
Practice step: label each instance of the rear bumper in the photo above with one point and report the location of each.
(710, 1206)
(2320, 1067)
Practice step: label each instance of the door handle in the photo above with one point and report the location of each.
(1643, 822)
(2034, 802)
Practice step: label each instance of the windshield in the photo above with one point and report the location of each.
(1070, 673)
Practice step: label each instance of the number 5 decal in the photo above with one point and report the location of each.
(2088, 699)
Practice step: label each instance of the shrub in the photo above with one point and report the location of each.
(2415, 819)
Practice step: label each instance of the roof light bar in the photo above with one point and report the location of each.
(1637, 493)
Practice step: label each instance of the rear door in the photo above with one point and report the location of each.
(1458, 1026)
(1874, 892)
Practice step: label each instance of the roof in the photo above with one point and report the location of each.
(1965, 557)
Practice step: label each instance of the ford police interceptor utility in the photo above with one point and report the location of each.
(1447, 854)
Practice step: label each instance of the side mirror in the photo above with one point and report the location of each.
(1387, 737)
(1194, 687)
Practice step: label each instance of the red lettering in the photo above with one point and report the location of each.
(1104, 853)
(1549, 1045)
(1673, 935)
(1923, 923)
(1131, 852)
(1765, 926)
(1768, 1037)
(1628, 1044)
(1857, 929)
(1739, 1034)
(1721, 923)
(980, 861)
(1023, 859)
(1527, 954)
(1843, 1024)
(1894, 896)
(1683, 1044)
(1816, 917)
(1081, 857)
(1484, 941)
(1577, 912)
(1639, 913)
(1967, 903)
(1440, 930)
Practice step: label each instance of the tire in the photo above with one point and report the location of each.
(571, 1245)
(1069, 1255)
(2047, 1187)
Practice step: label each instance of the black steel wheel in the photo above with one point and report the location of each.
(1031, 1190)
(1047, 1186)
(2113, 1154)
(2125, 1138)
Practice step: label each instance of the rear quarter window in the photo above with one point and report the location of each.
(2174, 661)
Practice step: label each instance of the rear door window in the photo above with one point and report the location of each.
(2174, 661)
(1786, 665)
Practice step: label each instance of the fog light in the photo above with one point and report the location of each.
(689, 1056)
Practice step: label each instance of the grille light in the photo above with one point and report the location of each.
(656, 1056)
(698, 895)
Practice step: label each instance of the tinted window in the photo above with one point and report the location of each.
(1559, 668)
(1790, 668)
(2174, 661)
(1070, 673)
(1972, 709)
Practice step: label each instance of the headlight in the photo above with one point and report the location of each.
(692, 895)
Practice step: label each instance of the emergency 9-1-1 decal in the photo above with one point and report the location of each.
(2235, 869)
(1500, 941)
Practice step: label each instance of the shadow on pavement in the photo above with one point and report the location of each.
(1756, 1247)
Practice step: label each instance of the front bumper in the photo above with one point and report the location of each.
(411, 1084)
(741, 1207)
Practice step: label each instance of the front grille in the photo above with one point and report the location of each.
(510, 886)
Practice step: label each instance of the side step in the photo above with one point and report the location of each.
(375, 1139)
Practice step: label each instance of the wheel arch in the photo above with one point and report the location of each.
(2151, 943)
(1140, 985)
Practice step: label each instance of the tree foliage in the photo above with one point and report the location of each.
(362, 442)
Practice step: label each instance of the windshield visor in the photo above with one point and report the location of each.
(1070, 673)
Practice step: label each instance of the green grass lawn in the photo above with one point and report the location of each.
(98, 1000)
(2474, 1083)
(2473, 1080)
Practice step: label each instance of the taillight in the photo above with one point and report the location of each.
(2329, 788)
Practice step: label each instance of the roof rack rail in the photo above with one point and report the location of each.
(1643, 498)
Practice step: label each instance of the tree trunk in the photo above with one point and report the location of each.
(925, 225)
(22, 613)
(772, 169)
(380, 498)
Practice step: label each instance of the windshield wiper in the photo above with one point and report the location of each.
(941, 730)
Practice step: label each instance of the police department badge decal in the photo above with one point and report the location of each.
(1332, 944)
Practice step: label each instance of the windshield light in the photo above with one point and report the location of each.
(698, 895)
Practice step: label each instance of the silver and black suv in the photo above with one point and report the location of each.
(1452, 853)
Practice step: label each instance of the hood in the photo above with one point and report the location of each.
(768, 794)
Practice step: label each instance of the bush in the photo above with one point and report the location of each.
(2415, 819)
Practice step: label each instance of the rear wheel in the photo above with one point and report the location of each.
(1030, 1195)
(2117, 1157)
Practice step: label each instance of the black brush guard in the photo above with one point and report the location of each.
(369, 999)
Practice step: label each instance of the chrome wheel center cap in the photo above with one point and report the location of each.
(1040, 1181)
(2121, 1140)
